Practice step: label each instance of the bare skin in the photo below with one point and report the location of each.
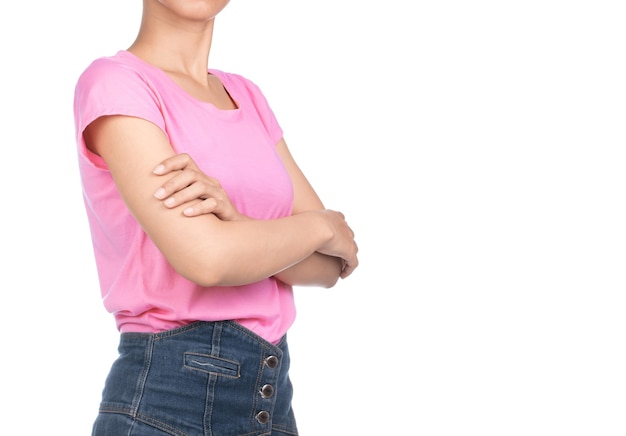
(186, 212)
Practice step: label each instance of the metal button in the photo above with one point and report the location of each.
(267, 391)
(263, 417)
(272, 361)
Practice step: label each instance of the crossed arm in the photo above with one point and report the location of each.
(219, 246)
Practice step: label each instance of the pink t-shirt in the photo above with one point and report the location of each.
(237, 147)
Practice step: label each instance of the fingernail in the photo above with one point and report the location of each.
(188, 211)
(158, 170)
(160, 193)
(169, 202)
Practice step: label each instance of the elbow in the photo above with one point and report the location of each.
(325, 281)
(218, 271)
(202, 271)
(206, 278)
(330, 282)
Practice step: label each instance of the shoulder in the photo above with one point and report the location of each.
(119, 80)
(117, 69)
(116, 85)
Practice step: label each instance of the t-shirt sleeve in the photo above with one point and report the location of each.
(109, 88)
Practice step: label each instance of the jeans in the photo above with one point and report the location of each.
(203, 379)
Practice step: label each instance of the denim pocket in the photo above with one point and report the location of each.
(212, 365)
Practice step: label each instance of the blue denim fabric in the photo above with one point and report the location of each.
(205, 379)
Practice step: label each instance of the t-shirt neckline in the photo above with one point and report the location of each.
(180, 90)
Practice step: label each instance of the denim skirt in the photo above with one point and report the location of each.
(203, 379)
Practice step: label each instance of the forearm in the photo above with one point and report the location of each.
(316, 270)
(230, 253)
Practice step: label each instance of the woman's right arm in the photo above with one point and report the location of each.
(207, 250)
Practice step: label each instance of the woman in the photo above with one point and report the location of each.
(201, 223)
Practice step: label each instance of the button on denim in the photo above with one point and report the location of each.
(204, 379)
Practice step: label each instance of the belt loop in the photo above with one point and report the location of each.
(215, 340)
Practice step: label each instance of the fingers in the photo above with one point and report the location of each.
(349, 265)
(347, 270)
(200, 208)
(180, 161)
(350, 261)
(198, 194)
(186, 186)
(191, 189)
(198, 199)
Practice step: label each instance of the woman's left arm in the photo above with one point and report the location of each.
(317, 269)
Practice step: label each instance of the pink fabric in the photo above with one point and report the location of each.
(235, 146)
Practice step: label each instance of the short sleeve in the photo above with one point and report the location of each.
(108, 87)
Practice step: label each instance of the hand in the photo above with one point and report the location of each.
(192, 188)
(342, 244)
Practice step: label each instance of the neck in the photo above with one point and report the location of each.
(174, 45)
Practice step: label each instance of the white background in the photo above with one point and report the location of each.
(476, 148)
